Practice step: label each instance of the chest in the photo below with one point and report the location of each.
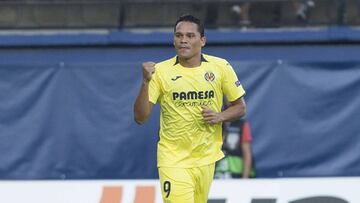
(200, 80)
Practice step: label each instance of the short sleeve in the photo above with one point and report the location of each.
(154, 88)
(231, 85)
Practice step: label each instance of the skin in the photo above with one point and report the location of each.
(246, 155)
(188, 44)
(142, 106)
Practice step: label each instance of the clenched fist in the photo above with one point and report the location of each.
(148, 69)
(211, 117)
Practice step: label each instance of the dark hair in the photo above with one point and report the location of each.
(193, 19)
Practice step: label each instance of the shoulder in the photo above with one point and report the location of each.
(166, 64)
(216, 60)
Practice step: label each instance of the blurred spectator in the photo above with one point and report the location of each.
(211, 12)
(211, 15)
(240, 14)
(237, 162)
(341, 11)
(302, 8)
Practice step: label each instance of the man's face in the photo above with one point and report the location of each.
(187, 40)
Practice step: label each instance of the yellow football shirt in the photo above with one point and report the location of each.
(185, 139)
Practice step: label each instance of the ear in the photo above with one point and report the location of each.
(203, 41)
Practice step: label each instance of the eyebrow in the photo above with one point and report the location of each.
(185, 33)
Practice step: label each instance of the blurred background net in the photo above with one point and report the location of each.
(125, 14)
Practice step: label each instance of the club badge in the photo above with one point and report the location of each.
(209, 76)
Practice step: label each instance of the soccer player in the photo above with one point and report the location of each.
(189, 88)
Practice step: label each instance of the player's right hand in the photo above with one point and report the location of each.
(148, 69)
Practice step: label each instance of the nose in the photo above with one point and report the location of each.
(183, 40)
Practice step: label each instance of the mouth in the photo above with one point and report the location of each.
(184, 48)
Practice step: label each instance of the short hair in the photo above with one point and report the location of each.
(193, 19)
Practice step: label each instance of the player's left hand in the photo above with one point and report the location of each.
(210, 116)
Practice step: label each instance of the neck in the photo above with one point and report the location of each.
(192, 62)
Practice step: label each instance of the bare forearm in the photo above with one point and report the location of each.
(247, 159)
(246, 165)
(142, 106)
(234, 111)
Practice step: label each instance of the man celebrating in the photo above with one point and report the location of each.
(189, 88)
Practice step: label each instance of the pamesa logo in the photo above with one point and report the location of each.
(193, 95)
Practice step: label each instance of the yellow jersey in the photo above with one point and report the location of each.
(185, 139)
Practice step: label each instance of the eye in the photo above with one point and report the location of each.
(190, 35)
(178, 34)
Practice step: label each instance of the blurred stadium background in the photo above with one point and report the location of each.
(70, 71)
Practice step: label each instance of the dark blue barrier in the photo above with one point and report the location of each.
(304, 117)
(72, 120)
(141, 37)
(66, 113)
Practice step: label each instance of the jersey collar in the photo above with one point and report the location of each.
(177, 60)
